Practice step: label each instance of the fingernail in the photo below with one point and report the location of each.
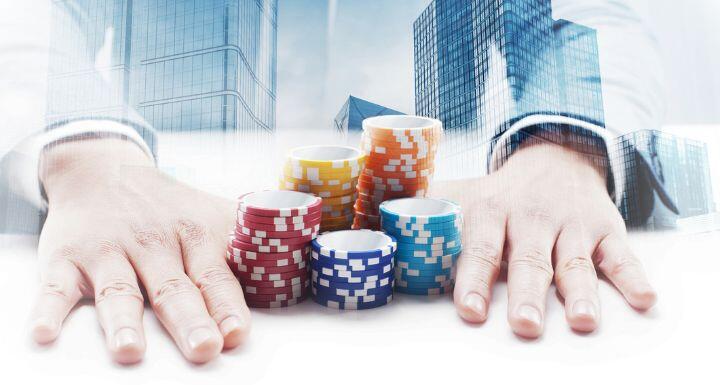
(476, 303)
(584, 308)
(229, 325)
(530, 313)
(126, 337)
(199, 337)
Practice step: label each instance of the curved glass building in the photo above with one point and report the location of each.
(183, 65)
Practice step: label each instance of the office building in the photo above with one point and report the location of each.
(681, 165)
(482, 64)
(348, 121)
(182, 65)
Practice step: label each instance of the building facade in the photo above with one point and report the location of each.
(482, 64)
(682, 166)
(348, 121)
(182, 65)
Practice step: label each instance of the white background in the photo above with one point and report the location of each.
(410, 340)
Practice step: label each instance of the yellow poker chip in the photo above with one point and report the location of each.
(321, 182)
(321, 191)
(317, 173)
(337, 221)
(326, 157)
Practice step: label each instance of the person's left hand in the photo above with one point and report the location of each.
(547, 212)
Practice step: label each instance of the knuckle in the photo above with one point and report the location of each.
(169, 289)
(56, 288)
(118, 288)
(149, 237)
(483, 254)
(624, 265)
(213, 278)
(534, 260)
(574, 265)
(193, 234)
(538, 213)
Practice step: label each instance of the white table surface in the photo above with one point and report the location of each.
(412, 339)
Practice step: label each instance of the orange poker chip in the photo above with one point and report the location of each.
(393, 181)
(424, 173)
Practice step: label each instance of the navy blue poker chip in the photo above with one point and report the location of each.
(382, 291)
(351, 305)
(353, 286)
(370, 263)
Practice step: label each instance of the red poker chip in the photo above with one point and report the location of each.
(267, 262)
(276, 284)
(274, 304)
(279, 203)
(271, 227)
(245, 277)
(267, 249)
(308, 219)
(274, 241)
(295, 289)
(256, 256)
(270, 269)
(275, 297)
(254, 232)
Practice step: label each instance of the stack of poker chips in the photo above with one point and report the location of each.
(400, 153)
(428, 233)
(353, 269)
(330, 172)
(269, 251)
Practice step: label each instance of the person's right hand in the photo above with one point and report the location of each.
(114, 220)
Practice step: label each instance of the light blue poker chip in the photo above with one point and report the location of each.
(433, 278)
(423, 285)
(433, 247)
(427, 253)
(395, 232)
(317, 279)
(425, 266)
(353, 305)
(423, 291)
(350, 244)
(382, 291)
(424, 273)
(452, 236)
(450, 225)
(420, 210)
(428, 260)
(354, 263)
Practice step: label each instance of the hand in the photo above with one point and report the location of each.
(113, 219)
(548, 213)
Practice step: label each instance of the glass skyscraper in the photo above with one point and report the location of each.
(182, 65)
(681, 164)
(482, 64)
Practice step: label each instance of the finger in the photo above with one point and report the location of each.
(174, 298)
(576, 279)
(59, 293)
(479, 263)
(119, 304)
(204, 259)
(616, 260)
(531, 236)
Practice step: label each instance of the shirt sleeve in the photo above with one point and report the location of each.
(631, 88)
(33, 119)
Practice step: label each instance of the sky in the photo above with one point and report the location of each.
(329, 49)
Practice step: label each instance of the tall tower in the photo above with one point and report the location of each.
(482, 64)
(183, 65)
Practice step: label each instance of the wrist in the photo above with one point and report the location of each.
(64, 165)
(550, 157)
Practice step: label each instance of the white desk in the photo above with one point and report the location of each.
(412, 339)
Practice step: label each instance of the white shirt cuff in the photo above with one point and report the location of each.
(23, 167)
(616, 168)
